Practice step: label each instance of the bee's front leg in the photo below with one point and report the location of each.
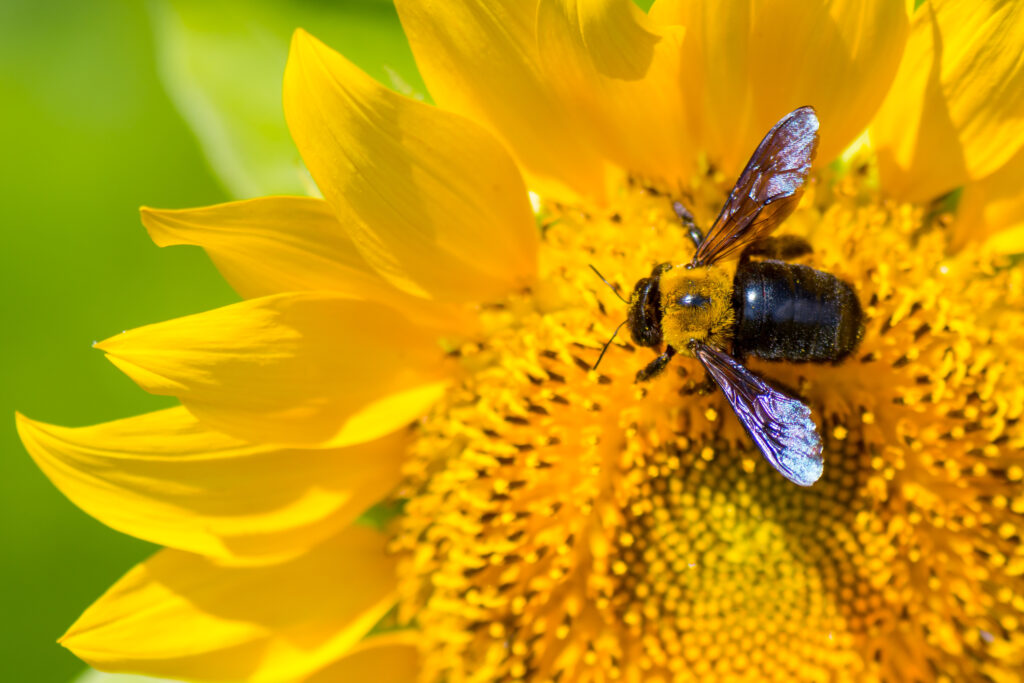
(686, 218)
(656, 366)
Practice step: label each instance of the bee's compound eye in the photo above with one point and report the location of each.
(693, 300)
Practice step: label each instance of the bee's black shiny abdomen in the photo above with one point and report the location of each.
(786, 311)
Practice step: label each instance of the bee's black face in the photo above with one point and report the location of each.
(645, 312)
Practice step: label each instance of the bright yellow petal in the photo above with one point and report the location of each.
(286, 244)
(745, 65)
(612, 33)
(271, 245)
(983, 78)
(387, 658)
(715, 75)
(956, 110)
(1008, 241)
(624, 90)
(913, 134)
(431, 200)
(992, 210)
(840, 56)
(480, 59)
(308, 369)
(167, 479)
(180, 615)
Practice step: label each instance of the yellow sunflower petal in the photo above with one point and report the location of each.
(480, 59)
(611, 32)
(715, 63)
(1009, 241)
(272, 245)
(992, 209)
(180, 615)
(983, 77)
(167, 479)
(747, 64)
(305, 369)
(387, 658)
(956, 110)
(624, 91)
(432, 201)
(913, 134)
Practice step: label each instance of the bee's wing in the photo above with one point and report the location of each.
(768, 190)
(781, 426)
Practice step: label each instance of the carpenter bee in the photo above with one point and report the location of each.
(770, 309)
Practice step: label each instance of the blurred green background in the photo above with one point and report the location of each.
(108, 105)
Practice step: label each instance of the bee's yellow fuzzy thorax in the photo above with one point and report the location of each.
(711, 322)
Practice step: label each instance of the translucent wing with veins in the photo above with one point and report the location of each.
(781, 426)
(768, 190)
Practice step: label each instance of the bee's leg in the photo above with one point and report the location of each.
(702, 388)
(660, 268)
(781, 248)
(656, 366)
(707, 386)
(686, 218)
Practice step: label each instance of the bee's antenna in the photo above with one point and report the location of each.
(611, 288)
(609, 342)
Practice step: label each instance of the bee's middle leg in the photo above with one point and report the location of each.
(701, 388)
(656, 366)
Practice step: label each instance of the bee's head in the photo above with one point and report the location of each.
(644, 318)
(645, 311)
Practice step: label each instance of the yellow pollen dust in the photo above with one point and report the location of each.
(566, 524)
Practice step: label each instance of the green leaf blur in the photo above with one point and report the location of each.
(89, 134)
(93, 676)
(222, 64)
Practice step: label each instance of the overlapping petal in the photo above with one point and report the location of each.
(305, 369)
(180, 615)
(481, 59)
(273, 245)
(166, 478)
(624, 91)
(956, 109)
(387, 658)
(613, 33)
(747, 64)
(992, 210)
(432, 201)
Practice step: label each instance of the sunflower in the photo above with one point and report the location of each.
(394, 461)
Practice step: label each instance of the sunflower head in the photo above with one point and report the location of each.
(564, 522)
(425, 337)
